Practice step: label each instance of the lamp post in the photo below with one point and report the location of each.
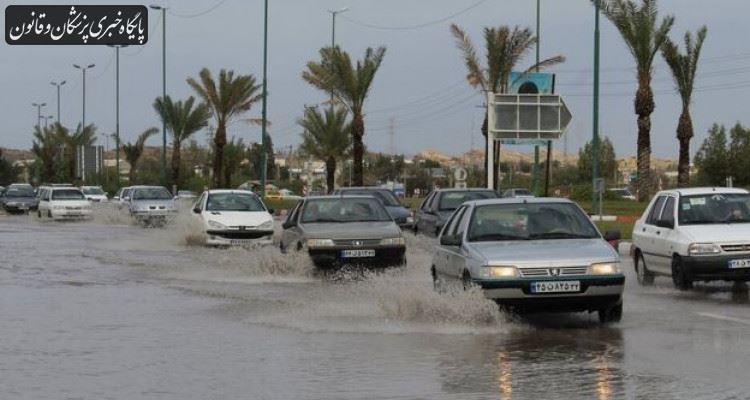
(39, 113)
(333, 33)
(595, 138)
(535, 175)
(83, 69)
(58, 97)
(164, 88)
(264, 157)
(117, 48)
(46, 120)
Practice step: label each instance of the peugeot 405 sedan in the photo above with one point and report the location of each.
(17, 199)
(694, 234)
(439, 205)
(536, 254)
(234, 218)
(344, 230)
(151, 205)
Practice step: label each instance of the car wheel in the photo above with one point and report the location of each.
(611, 314)
(299, 246)
(282, 249)
(39, 214)
(643, 275)
(49, 214)
(680, 277)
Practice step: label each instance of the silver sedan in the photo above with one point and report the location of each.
(531, 254)
(337, 230)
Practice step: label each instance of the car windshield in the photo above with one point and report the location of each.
(529, 221)
(67, 194)
(450, 201)
(714, 208)
(385, 196)
(522, 192)
(154, 193)
(19, 192)
(234, 202)
(93, 190)
(344, 209)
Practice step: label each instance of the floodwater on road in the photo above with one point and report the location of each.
(109, 310)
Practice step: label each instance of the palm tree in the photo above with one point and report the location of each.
(350, 85)
(45, 148)
(504, 48)
(684, 67)
(325, 138)
(644, 36)
(183, 121)
(227, 98)
(71, 141)
(133, 152)
(234, 154)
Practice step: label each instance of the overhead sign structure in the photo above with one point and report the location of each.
(531, 83)
(523, 117)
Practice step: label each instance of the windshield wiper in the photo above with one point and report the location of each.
(559, 235)
(495, 236)
(321, 220)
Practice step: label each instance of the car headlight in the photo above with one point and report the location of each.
(703, 248)
(216, 225)
(409, 220)
(311, 243)
(610, 268)
(393, 241)
(266, 225)
(498, 272)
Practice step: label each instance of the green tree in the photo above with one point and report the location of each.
(504, 49)
(8, 173)
(325, 138)
(255, 156)
(182, 121)
(607, 161)
(234, 154)
(46, 150)
(134, 151)
(227, 98)
(739, 155)
(644, 35)
(684, 67)
(350, 84)
(712, 159)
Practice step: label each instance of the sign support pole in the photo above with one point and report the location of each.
(490, 142)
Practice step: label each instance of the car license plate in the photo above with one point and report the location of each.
(357, 253)
(556, 287)
(739, 263)
(240, 242)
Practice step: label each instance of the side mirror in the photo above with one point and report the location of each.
(612, 236)
(197, 210)
(450, 240)
(665, 224)
(271, 211)
(288, 224)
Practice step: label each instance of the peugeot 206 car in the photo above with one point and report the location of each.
(234, 218)
(536, 254)
(694, 234)
(344, 230)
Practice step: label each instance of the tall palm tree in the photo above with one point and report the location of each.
(684, 67)
(644, 35)
(350, 85)
(183, 121)
(325, 138)
(227, 98)
(234, 155)
(504, 49)
(134, 151)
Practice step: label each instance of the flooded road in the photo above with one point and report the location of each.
(108, 310)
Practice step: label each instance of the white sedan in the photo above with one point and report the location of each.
(234, 218)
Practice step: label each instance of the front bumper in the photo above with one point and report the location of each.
(239, 238)
(715, 268)
(385, 256)
(148, 216)
(17, 208)
(596, 293)
(70, 214)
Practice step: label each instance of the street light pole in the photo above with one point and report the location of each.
(535, 180)
(333, 32)
(264, 156)
(163, 174)
(39, 113)
(83, 69)
(595, 139)
(117, 48)
(58, 97)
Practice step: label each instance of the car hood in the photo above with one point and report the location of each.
(351, 230)
(70, 203)
(717, 232)
(557, 252)
(237, 218)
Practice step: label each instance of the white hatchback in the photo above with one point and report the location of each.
(696, 234)
(94, 194)
(63, 203)
(234, 218)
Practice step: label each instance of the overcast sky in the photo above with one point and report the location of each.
(420, 86)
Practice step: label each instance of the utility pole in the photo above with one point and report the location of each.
(595, 122)
(117, 48)
(264, 156)
(39, 113)
(163, 174)
(58, 97)
(333, 33)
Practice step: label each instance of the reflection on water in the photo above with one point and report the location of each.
(603, 379)
(504, 376)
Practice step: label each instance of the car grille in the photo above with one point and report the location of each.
(356, 242)
(733, 248)
(72, 208)
(552, 271)
(157, 207)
